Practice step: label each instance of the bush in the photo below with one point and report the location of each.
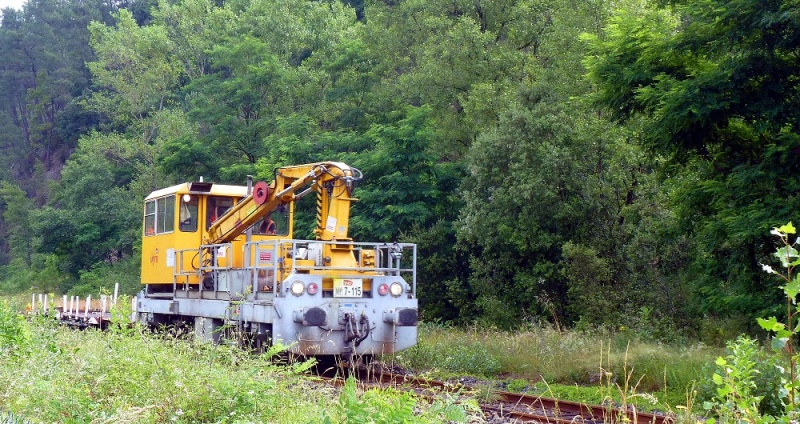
(14, 334)
(374, 406)
(765, 378)
(102, 277)
(738, 394)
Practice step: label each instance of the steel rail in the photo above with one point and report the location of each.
(517, 407)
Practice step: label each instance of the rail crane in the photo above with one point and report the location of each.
(217, 257)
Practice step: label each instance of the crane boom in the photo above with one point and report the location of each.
(333, 182)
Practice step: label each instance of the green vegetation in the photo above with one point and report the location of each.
(581, 165)
(54, 374)
(580, 366)
(637, 197)
(754, 384)
(57, 374)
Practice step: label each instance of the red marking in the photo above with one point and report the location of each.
(265, 256)
(154, 257)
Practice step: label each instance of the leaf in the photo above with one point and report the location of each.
(721, 361)
(779, 343)
(792, 289)
(785, 254)
(770, 324)
(787, 229)
(717, 379)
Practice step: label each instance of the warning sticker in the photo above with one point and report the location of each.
(331, 224)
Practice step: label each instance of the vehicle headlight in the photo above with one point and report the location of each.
(298, 288)
(396, 289)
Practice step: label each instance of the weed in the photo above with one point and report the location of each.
(517, 385)
(372, 406)
(131, 375)
(471, 358)
(14, 335)
(486, 393)
(625, 392)
(449, 408)
(735, 400)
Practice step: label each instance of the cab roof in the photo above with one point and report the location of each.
(214, 190)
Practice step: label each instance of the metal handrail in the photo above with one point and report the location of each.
(387, 260)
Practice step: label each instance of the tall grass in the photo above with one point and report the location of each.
(50, 373)
(542, 357)
(70, 376)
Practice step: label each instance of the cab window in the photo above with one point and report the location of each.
(159, 216)
(187, 214)
(277, 223)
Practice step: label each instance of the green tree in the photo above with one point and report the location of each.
(400, 190)
(93, 217)
(466, 59)
(15, 213)
(545, 177)
(43, 51)
(134, 67)
(194, 27)
(715, 84)
(235, 106)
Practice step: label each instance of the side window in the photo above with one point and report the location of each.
(150, 218)
(276, 223)
(159, 216)
(216, 207)
(187, 217)
(166, 214)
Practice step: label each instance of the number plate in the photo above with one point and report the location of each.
(347, 287)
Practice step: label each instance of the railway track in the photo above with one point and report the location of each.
(508, 406)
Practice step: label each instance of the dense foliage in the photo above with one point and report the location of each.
(636, 197)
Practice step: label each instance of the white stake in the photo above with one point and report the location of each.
(116, 292)
(64, 304)
(33, 303)
(40, 301)
(45, 303)
(88, 302)
(103, 303)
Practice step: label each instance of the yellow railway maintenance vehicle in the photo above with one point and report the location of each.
(219, 256)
